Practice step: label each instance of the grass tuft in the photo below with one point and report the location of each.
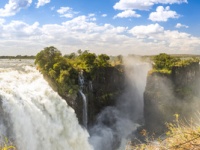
(7, 145)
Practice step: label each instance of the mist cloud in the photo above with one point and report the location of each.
(115, 124)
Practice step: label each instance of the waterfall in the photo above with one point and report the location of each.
(85, 111)
(90, 86)
(85, 117)
(32, 115)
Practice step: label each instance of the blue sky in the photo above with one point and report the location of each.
(102, 26)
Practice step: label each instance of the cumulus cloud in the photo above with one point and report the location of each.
(83, 33)
(42, 3)
(127, 14)
(20, 29)
(91, 15)
(66, 12)
(104, 15)
(133, 4)
(63, 10)
(144, 31)
(143, 4)
(172, 41)
(179, 25)
(86, 25)
(79, 32)
(13, 7)
(2, 21)
(163, 14)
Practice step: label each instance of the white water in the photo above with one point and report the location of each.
(85, 116)
(85, 111)
(33, 115)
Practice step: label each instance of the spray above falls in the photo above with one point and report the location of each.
(33, 116)
(115, 124)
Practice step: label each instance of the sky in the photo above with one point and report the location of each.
(113, 27)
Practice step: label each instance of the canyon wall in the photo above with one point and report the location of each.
(167, 95)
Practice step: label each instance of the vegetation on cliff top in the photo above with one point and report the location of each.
(64, 70)
(164, 63)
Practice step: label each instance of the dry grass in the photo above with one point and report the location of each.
(178, 137)
(7, 145)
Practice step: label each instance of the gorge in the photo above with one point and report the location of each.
(110, 105)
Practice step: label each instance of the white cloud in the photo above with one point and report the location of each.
(91, 15)
(86, 25)
(163, 14)
(104, 15)
(52, 8)
(179, 25)
(169, 1)
(172, 41)
(63, 10)
(82, 33)
(144, 31)
(133, 4)
(143, 4)
(126, 14)
(13, 7)
(20, 29)
(2, 21)
(79, 32)
(66, 12)
(42, 3)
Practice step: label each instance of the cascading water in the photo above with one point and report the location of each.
(85, 111)
(33, 116)
(115, 124)
(85, 117)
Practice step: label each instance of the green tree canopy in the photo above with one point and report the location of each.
(103, 60)
(164, 61)
(47, 57)
(64, 70)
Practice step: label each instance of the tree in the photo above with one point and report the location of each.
(85, 61)
(88, 58)
(79, 52)
(164, 61)
(71, 56)
(103, 60)
(46, 58)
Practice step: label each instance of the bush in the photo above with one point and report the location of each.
(164, 63)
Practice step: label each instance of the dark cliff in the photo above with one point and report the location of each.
(101, 91)
(169, 94)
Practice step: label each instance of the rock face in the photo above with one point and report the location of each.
(101, 91)
(169, 94)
